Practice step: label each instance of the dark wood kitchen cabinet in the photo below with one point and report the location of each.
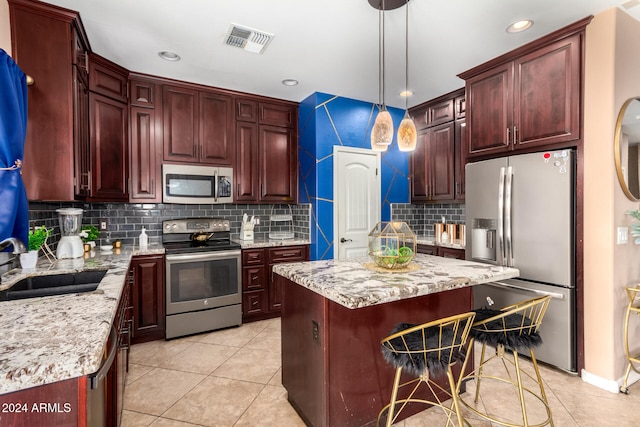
(261, 293)
(528, 98)
(145, 142)
(266, 152)
(50, 45)
(442, 251)
(437, 164)
(148, 298)
(198, 125)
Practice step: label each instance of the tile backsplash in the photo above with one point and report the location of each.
(125, 220)
(421, 217)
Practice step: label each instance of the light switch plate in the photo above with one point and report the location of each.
(623, 235)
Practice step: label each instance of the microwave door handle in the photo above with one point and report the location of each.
(216, 186)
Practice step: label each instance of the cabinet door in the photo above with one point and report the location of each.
(108, 149)
(277, 115)
(441, 112)
(246, 170)
(419, 177)
(280, 255)
(148, 298)
(246, 110)
(428, 250)
(547, 94)
(143, 93)
(278, 165)
(460, 154)
(451, 252)
(180, 136)
(107, 78)
(216, 129)
(146, 157)
(441, 161)
(490, 110)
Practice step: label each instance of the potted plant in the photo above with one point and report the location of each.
(89, 235)
(37, 238)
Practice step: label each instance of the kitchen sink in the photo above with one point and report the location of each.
(54, 284)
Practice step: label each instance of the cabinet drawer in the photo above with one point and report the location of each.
(143, 93)
(246, 110)
(441, 112)
(253, 257)
(253, 278)
(254, 302)
(288, 254)
(107, 78)
(428, 250)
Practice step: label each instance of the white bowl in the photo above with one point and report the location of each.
(106, 248)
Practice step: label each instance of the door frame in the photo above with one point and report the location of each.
(337, 150)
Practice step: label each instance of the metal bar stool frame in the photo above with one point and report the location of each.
(450, 335)
(633, 295)
(517, 322)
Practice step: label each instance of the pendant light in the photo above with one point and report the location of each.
(382, 131)
(407, 134)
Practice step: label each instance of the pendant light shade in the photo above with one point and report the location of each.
(407, 134)
(382, 131)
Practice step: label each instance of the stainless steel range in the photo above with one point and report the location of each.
(203, 276)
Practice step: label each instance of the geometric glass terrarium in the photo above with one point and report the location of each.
(392, 244)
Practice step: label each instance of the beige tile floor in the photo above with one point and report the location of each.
(232, 378)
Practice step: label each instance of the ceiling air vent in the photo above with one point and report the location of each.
(246, 38)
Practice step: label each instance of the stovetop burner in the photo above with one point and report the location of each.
(178, 235)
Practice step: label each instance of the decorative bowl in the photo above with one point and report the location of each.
(392, 244)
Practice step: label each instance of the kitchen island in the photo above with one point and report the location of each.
(336, 312)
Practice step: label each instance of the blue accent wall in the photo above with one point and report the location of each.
(328, 120)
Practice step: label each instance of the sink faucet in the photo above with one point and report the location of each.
(18, 248)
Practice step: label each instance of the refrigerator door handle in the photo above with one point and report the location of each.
(520, 288)
(507, 217)
(500, 227)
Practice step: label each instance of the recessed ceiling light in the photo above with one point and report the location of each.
(518, 26)
(169, 56)
(290, 82)
(406, 93)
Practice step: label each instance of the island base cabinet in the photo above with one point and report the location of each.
(332, 364)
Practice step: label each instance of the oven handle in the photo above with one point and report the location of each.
(202, 256)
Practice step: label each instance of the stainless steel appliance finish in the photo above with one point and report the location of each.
(203, 277)
(191, 184)
(520, 213)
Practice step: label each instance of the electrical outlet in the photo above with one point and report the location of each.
(315, 331)
(104, 224)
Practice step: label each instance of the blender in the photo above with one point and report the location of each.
(70, 244)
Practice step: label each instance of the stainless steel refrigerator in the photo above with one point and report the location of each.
(520, 212)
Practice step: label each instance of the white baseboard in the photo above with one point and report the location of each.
(608, 385)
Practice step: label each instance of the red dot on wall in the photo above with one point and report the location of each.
(547, 155)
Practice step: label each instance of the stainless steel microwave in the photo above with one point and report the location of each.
(195, 184)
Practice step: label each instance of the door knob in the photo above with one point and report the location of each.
(343, 240)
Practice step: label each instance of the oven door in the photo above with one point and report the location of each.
(201, 281)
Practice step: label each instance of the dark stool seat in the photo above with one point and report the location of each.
(510, 330)
(426, 352)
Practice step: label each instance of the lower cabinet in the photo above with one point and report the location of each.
(261, 294)
(442, 251)
(148, 298)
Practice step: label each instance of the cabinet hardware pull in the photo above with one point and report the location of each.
(515, 135)
(508, 136)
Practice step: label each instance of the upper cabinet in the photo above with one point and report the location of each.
(437, 164)
(528, 98)
(49, 44)
(198, 126)
(266, 151)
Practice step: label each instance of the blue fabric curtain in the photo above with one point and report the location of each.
(14, 209)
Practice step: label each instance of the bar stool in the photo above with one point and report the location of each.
(510, 330)
(633, 294)
(427, 352)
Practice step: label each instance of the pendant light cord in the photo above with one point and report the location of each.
(381, 63)
(406, 57)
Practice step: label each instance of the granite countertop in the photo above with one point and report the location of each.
(351, 284)
(49, 339)
(266, 243)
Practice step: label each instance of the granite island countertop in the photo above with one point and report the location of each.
(352, 284)
(49, 339)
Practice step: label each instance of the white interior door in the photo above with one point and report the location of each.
(357, 186)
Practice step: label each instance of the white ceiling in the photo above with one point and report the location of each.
(329, 46)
